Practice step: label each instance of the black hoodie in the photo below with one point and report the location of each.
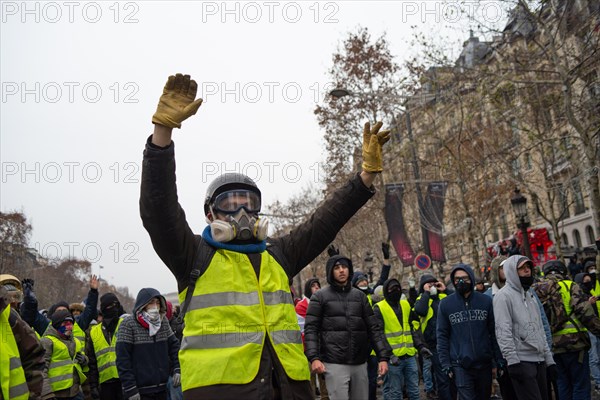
(307, 287)
(340, 323)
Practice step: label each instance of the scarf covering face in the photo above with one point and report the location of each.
(153, 324)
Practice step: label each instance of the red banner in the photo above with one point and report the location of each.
(395, 223)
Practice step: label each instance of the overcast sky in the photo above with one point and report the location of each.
(81, 80)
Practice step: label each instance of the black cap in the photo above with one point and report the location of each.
(59, 317)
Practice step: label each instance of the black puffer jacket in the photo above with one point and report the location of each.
(340, 324)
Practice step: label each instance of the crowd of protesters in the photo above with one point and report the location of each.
(239, 334)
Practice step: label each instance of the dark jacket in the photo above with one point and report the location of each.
(29, 311)
(145, 362)
(465, 328)
(175, 244)
(421, 308)
(417, 337)
(340, 323)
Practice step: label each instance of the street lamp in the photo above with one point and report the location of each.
(519, 205)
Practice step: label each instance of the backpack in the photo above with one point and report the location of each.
(548, 291)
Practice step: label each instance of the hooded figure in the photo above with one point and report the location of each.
(147, 347)
(339, 327)
(520, 331)
(497, 276)
(466, 339)
(308, 292)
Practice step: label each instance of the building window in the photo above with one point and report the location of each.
(528, 163)
(564, 239)
(578, 198)
(563, 202)
(589, 232)
(577, 238)
(516, 165)
(504, 226)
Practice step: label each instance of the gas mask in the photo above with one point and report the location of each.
(241, 209)
(240, 226)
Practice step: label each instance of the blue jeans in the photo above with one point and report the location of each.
(398, 376)
(595, 358)
(427, 375)
(574, 376)
(473, 383)
(173, 393)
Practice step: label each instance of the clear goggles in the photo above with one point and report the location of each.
(232, 201)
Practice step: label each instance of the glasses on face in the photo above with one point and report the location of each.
(232, 201)
(464, 279)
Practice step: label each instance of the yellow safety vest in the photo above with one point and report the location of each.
(596, 292)
(106, 358)
(572, 325)
(12, 376)
(60, 370)
(424, 320)
(398, 336)
(229, 316)
(78, 332)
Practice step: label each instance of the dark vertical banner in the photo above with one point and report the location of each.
(433, 216)
(395, 223)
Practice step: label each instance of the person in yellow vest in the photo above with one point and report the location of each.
(65, 359)
(21, 355)
(241, 337)
(361, 282)
(401, 329)
(569, 323)
(100, 348)
(432, 291)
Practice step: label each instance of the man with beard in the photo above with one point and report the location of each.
(519, 331)
(100, 348)
(466, 338)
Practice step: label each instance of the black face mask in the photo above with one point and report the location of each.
(526, 282)
(111, 312)
(462, 287)
(395, 296)
(587, 287)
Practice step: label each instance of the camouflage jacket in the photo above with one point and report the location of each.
(548, 290)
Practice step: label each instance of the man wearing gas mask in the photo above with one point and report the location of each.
(241, 337)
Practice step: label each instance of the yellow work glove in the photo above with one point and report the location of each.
(177, 102)
(373, 140)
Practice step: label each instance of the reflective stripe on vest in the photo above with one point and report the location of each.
(106, 357)
(62, 366)
(424, 320)
(12, 377)
(230, 315)
(398, 336)
(568, 327)
(78, 332)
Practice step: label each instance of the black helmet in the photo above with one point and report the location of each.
(554, 267)
(225, 182)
